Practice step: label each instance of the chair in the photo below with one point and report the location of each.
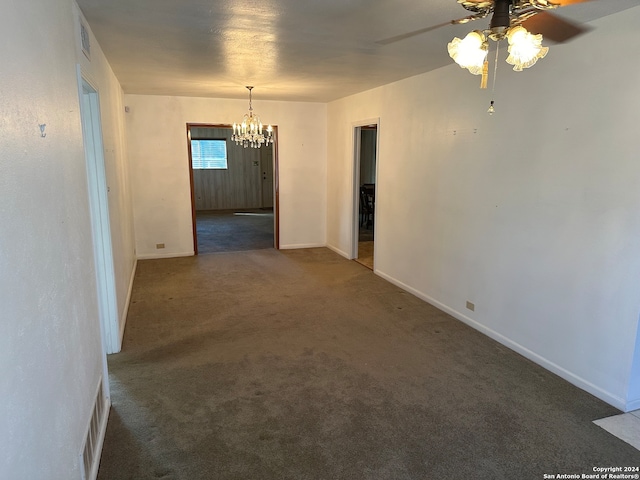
(366, 207)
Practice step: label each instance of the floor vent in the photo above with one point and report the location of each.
(90, 456)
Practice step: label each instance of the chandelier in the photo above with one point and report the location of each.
(250, 132)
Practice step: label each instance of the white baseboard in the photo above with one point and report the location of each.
(154, 256)
(127, 303)
(301, 245)
(339, 252)
(572, 378)
(632, 405)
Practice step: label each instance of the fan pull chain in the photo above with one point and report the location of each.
(495, 74)
(485, 74)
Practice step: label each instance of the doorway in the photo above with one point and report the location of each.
(234, 194)
(365, 175)
(100, 222)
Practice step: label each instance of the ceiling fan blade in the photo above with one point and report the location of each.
(553, 27)
(565, 3)
(397, 38)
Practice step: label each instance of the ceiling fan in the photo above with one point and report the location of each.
(521, 22)
(533, 15)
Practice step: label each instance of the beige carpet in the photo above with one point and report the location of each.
(302, 365)
(234, 230)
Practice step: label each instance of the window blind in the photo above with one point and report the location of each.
(209, 154)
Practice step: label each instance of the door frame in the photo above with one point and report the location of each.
(89, 102)
(276, 182)
(355, 218)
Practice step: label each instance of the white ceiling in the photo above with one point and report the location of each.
(298, 50)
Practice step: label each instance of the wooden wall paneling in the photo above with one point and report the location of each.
(239, 186)
(197, 188)
(266, 176)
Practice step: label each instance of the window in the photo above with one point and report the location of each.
(209, 154)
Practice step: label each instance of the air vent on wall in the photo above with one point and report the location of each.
(85, 40)
(90, 456)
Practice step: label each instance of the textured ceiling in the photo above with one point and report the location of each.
(300, 50)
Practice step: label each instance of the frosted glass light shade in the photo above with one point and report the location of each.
(524, 48)
(470, 52)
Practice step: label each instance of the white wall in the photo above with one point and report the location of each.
(50, 350)
(533, 214)
(98, 71)
(157, 141)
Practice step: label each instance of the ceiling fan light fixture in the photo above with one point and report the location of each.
(524, 48)
(470, 52)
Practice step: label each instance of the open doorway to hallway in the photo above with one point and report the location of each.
(233, 192)
(366, 142)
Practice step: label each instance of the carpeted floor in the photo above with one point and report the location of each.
(234, 230)
(299, 364)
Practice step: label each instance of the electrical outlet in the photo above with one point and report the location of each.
(471, 306)
(159, 245)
